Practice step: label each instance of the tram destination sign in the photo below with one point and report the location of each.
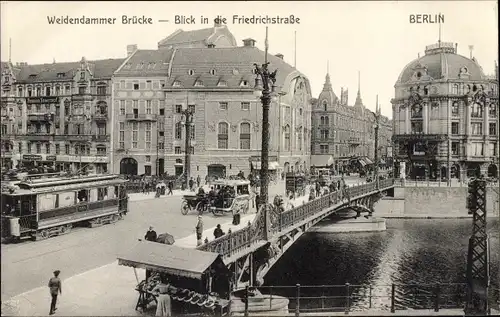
(31, 157)
(41, 100)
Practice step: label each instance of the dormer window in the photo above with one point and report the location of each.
(244, 83)
(198, 83)
(32, 76)
(222, 83)
(191, 72)
(212, 72)
(176, 83)
(60, 75)
(140, 65)
(151, 65)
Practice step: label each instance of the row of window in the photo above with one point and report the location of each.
(77, 128)
(476, 128)
(476, 149)
(79, 149)
(58, 91)
(344, 150)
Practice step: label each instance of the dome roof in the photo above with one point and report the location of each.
(441, 61)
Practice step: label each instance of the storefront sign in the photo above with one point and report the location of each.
(50, 158)
(41, 100)
(32, 157)
(257, 159)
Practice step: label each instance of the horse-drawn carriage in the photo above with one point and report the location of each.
(200, 203)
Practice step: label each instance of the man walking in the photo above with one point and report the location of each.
(170, 187)
(198, 181)
(55, 288)
(199, 230)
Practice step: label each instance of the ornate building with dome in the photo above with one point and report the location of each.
(445, 113)
(342, 134)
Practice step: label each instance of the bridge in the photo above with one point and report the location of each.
(253, 250)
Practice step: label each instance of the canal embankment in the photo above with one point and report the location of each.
(432, 203)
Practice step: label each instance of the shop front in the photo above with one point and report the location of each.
(196, 282)
(39, 163)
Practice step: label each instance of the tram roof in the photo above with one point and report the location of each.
(67, 183)
(231, 182)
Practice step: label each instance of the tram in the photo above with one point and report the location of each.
(48, 207)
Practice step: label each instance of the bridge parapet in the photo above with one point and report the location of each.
(252, 237)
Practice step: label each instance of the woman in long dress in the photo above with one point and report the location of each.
(164, 307)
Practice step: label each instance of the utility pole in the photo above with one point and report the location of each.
(188, 122)
(478, 278)
(265, 85)
(376, 126)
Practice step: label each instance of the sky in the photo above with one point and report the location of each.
(375, 38)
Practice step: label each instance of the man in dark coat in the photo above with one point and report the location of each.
(218, 232)
(55, 289)
(151, 235)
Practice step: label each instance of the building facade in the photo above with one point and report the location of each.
(342, 132)
(58, 115)
(216, 84)
(445, 114)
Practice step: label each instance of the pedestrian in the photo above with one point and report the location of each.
(199, 230)
(170, 187)
(257, 202)
(55, 288)
(151, 235)
(218, 232)
(198, 180)
(191, 184)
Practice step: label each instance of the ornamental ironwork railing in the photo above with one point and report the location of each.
(253, 234)
(307, 299)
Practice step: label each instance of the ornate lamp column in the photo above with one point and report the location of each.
(265, 88)
(187, 117)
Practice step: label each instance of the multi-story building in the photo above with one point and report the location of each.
(342, 132)
(445, 114)
(8, 111)
(216, 84)
(61, 115)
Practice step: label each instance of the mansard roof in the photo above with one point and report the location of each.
(235, 64)
(146, 63)
(207, 36)
(101, 69)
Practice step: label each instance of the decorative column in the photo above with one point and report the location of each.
(407, 120)
(425, 116)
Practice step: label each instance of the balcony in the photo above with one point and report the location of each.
(99, 117)
(30, 136)
(100, 138)
(140, 117)
(44, 117)
(73, 137)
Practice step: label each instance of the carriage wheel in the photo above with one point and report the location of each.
(65, 229)
(185, 207)
(201, 207)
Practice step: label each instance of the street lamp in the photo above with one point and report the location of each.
(265, 88)
(187, 121)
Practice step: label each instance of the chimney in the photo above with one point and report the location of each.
(249, 42)
(131, 49)
(279, 55)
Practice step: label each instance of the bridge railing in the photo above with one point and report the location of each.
(349, 298)
(244, 238)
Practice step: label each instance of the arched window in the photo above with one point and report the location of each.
(327, 121)
(493, 110)
(299, 139)
(245, 136)
(322, 120)
(476, 110)
(178, 131)
(223, 135)
(454, 109)
(325, 105)
(287, 137)
(192, 132)
(416, 111)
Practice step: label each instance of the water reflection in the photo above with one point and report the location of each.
(410, 251)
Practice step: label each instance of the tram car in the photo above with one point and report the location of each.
(43, 208)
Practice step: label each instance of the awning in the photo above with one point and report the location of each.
(169, 259)
(362, 162)
(367, 161)
(321, 160)
(272, 165)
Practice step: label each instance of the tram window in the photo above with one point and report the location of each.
(56, 205)
(102, 193)
(82, 195)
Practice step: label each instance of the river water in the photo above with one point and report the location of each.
(410, 251)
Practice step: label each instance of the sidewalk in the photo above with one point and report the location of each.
(108, 290)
